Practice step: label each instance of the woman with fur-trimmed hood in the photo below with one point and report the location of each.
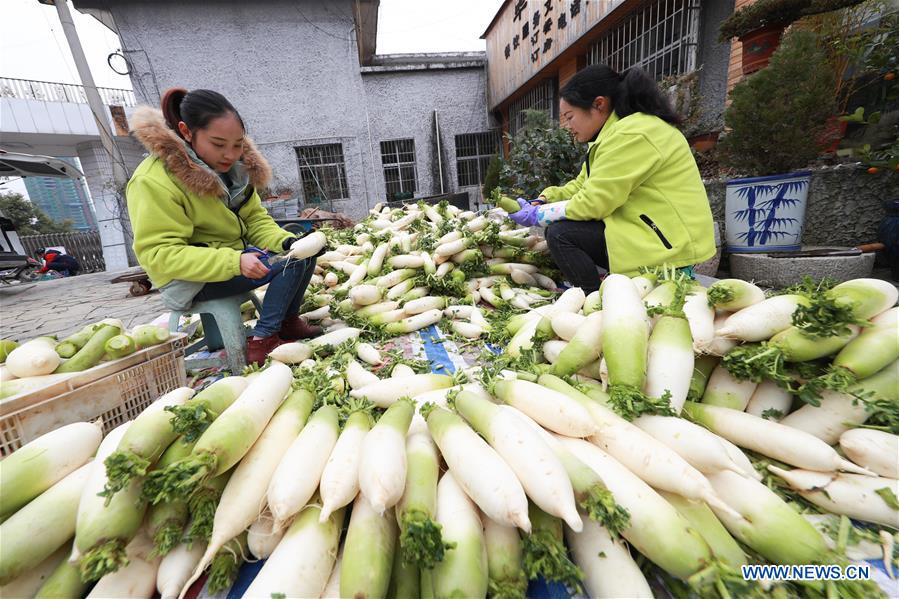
(200, 230)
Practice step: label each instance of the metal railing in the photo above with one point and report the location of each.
(86, 247)
(49, 91)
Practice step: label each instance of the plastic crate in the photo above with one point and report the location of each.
(114, 391)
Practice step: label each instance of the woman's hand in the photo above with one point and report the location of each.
(251, 267)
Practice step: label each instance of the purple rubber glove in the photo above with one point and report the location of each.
(526, 215)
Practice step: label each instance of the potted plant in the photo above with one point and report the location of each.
(759, 26)
(860, 43)
(542, 154)
(775, 120)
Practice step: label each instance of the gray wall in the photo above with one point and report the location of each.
(291, 68)
(402, 105)
(713, 59)
(845, 205)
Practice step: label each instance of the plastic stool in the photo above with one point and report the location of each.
(222, 326)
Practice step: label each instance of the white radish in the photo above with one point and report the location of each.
(387, 391)
(551, 409)
(609, 569)
(357, 376)
(701, 318)
(262, 538)
(770, 401)
(684, 553)
(299, 473)
(33, 358)
(382, 468)
(365, 295)
(423, 304)
(463, 571)
(669, 361)
(493, 486)
(763, 320)
(309, 245)
(414, 323)
(721, 345)
(701, 448)
(317, 314)
(368, 354)
(137, 579)
(772, 439)
(466, 329)
(852, 495)
(567, 324)
(302, 562)
(245, 494)
(176, 567)
(724, 390)
(376, 261)
(42, 526)
(878, 451)
(402, 370)
(406, 261)
(535, 464)
(38, 465)
(291, 353)
(335, 338)
(340, 477)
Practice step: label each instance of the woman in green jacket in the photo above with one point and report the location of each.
(638, 200)
(200, 230)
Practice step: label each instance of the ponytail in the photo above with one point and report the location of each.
(194, 108)
(629, 92)
(171, 107)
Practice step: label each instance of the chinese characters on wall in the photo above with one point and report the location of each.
(539, 28)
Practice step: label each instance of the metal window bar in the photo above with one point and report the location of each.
(400, 173)
(543, 97)
(322, 173)
(474, 151)
(661, 37)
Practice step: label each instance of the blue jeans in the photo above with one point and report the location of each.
(287, 284)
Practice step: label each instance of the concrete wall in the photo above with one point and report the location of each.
(713, 60)
(845, 205)
(291, 68)
(459, 98)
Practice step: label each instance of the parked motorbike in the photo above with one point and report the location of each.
(23, 273)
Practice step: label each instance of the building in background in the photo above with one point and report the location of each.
(535, 46)
(342, 126)
(63, 199)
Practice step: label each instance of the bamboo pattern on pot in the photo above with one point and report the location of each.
(761, 214)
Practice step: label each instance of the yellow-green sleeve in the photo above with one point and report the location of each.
(161, 233)
(620, 165)
(262, 230)
(557, 193)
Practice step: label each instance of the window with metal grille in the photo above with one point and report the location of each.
(543, 97)
(661, 37)
(398, 159)
(322, 173)
(474, 151)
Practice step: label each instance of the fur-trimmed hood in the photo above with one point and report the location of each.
(149, 127)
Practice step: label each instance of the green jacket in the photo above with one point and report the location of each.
(187, 225)
(644, 184)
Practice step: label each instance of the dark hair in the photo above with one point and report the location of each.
(196, 108)
(629, 92)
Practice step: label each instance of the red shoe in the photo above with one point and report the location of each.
(258, 349)
(294, 328)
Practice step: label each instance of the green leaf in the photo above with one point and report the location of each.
(889, 497)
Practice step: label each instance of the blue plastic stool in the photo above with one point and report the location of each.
(222, 327)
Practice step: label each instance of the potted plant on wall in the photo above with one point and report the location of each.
(759, 26)
(542, 154)
(775, 121)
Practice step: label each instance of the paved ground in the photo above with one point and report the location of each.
(62, 306)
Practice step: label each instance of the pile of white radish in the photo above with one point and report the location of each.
(614, 423)
(43, 361)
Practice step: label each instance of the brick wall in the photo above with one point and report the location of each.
(735, 68)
